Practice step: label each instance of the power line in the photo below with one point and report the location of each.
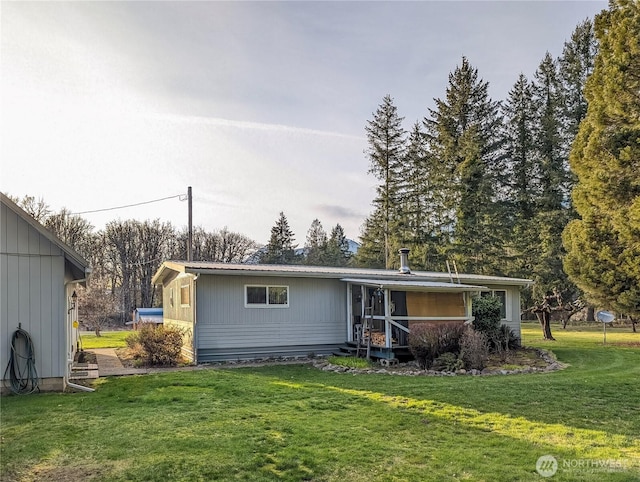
(182, 196)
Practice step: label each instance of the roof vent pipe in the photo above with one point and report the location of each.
(404, 261)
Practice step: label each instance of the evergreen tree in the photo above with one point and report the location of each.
(464, 134)
(372, 238)
(422, 204)
(603, 245)
(316, 246)
(338, 253)
(520, 118)
(280, 249)
(549, 137)
(523, 185)
(576, 64)
(386, 139)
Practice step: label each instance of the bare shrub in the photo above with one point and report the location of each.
(474, 349)
(157, 345)
(428, 341)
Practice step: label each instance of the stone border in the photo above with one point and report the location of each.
(404, 369)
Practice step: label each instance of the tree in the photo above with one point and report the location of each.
(523, 185)
(153, 238)
(549, 136)
(338, 253)
(464, 135)
(221, 246)
(576, 64)
(280, 249)
(421, 204)
(316, 246)
(603, 244)
(96, 305)
(73, 230)
(36, 208)
(122, 250)
(386, 139)
(372, 238)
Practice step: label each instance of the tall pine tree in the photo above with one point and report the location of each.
(603, 245)
(281, 248)
(464, 135)
(316, 245)
(386, 138)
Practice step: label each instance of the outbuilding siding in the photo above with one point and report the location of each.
(32, 273)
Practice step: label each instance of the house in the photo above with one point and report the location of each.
(38, 278)
(236, 311)
(146, 315)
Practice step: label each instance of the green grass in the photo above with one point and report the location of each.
(350, 362)
(297, 423)
(107, 339)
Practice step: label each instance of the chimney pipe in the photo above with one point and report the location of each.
(404, 261)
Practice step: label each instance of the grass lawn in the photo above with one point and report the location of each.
(297, 423)
(107, 339)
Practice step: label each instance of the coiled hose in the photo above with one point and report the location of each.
(23, 376)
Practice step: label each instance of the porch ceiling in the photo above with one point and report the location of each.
(415, 285)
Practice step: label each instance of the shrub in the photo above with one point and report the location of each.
(157, 345)
(486, 311)
(474, 349)
(427, 341)
(503, 340)
(448, 362)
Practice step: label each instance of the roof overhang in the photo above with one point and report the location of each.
(416, 285)
(75, 264)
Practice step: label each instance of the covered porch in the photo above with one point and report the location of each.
(382, 312)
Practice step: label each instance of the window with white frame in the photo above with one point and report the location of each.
(262, 296)
(502, 296)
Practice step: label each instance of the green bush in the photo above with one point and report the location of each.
(428, 341)
(501, 338)
(486, 312)
(474, 349)
(156, 345)
(448, 362)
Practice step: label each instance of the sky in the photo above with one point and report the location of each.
(260, 107)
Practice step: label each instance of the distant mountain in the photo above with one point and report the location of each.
(354, 246)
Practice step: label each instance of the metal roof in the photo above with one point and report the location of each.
(302, 271)
(415, 285)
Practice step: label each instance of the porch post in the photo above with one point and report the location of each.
(349, 312)
(387, 317)
(468, 304)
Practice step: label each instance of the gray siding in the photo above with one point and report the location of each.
(177, 314)
(316, 314)
(32, 274)
(512, 308)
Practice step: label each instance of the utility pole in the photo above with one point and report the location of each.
(190, 235)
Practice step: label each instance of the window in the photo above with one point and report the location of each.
(185, 295)
(266, 296)
(502, 296)
(171, 297)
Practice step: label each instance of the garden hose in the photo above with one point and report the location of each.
(23, 376)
